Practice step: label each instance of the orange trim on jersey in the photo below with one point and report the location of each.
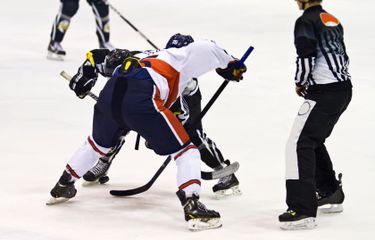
(193, 181)
(171, 118)
(184, 150)
(96, 149)
(167, 71)
(72, 172)
(329, 20)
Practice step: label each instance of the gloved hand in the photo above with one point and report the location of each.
(301, 91)
(232, 72)
(115, 58)
(84, 80)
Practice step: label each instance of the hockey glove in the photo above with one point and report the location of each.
(232, 72)
(83, 81)
(115, 58)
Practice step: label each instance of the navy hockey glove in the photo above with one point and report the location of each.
(83, 81)
(232, 72)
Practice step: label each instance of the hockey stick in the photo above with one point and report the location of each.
(145, 187)
(68, 77)
(131, 25)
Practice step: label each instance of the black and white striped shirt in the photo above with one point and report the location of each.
(322, 60)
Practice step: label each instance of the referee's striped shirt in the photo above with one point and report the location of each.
(322, 60)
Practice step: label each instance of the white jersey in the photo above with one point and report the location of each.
(171, 69)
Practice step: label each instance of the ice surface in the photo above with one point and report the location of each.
(42, 123)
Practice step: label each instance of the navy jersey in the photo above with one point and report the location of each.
(322, 61)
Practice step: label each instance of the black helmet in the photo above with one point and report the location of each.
(178, 40)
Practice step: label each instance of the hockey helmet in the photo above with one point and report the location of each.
(178, 40)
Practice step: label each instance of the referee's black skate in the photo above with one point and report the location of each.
(63, 190)
(292, 220)
(55, 51)
(98, 173)
(227, 186)
(331, 202)
(197, 215)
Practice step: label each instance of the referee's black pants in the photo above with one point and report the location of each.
(308, 164)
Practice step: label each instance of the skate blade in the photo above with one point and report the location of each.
(230, 192)
(54, 201)
(199, 224)
(303, 224)
(331, 208)
(55, 57)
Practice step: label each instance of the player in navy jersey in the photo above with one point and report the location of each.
(322, 78)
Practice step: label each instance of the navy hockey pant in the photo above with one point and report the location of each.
(308, 165)
(69, 8)
(132, 102)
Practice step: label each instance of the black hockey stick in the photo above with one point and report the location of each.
(131, 25)
(134, 191)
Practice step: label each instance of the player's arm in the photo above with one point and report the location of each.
(305, 42)
(205, 56)
(98, 61)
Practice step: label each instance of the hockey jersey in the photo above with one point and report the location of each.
(322, 60)
(172, 69)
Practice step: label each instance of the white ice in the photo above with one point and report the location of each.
(42, 123)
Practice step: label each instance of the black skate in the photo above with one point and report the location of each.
(292, 220)
(197, 215)
(55, 51)
(63, 190)
(227, 186)
(329, 202)
(98, 173)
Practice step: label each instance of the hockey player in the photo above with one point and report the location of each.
(186, 108)
(137, 97)
(322, 78)
(68, 8)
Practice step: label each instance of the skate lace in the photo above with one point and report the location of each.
(100, 168)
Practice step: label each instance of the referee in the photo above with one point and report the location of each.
(322, 78)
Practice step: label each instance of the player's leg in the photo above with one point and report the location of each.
(67, 9)
(329, 189)
(105, 133)
(314, 123)
(210, 153)
(143, 112)
(101, 12)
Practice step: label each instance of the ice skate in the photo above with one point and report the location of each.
(331, 202)
(98, 173)
(63, 190)
(226, 187)
(55, 51)
(291, 220)
(197, 215)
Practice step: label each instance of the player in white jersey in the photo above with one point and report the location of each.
(137, 98)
